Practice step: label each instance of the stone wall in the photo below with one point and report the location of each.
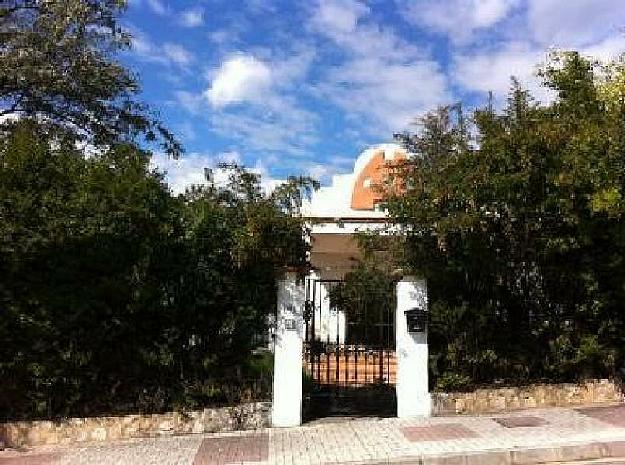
(537, 395)
(258, 415)
(72, 430)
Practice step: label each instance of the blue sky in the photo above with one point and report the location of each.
(302, 87)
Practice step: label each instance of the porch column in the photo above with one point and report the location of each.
(413, 398)
(288, 344)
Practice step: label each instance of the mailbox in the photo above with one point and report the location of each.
(416, 320)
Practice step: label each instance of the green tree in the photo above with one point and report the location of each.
(517, 224)
(367, 293)
(57, 64)
(116, 296)
(77, 238)
(222, 278)
(367, 298)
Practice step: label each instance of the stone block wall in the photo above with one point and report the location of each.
(258, 415)
(73, 430)
(537, 395)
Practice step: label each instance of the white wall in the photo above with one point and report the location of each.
(288, 348)
(328, 323)
(334, 201)
(413, 398)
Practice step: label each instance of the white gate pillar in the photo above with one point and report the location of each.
(288, 345)
(413, 397)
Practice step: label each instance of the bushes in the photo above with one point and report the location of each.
(116, 296)
(516, 219)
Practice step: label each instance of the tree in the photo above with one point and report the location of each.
(221, 277)
(57, 64)
(77, 238)
(116, 296)
(367, 298)
(518, 226)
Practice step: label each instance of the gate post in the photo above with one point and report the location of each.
(413, 397)
(288, 344)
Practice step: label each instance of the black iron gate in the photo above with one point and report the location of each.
(349, 350)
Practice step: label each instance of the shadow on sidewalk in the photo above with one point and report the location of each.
(334, 403)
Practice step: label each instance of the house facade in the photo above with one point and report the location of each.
(350, 204)
(312, 334)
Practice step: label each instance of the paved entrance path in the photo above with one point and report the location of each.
(531, 436)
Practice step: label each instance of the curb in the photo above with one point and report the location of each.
(529, 456)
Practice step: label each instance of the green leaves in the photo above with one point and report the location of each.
(116, 296)
(57, 65)
(515, 222)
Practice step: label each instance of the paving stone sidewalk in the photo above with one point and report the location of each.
(532, 436)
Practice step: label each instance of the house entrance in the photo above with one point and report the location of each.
(349, 362)
(340, 330)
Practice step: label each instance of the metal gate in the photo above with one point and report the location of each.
(349, 348)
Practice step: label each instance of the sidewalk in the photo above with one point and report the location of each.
(524, 437)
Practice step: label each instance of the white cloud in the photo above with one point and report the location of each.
(189, 169)
(269, 117)
(388, 94)
(485, 71)
(189, 101)
(359, 37)
(240, 78)
(193, 17)
(290, 130)
(456, 18)
(589, 26)
(486, 13)
(225, 36)
(606, 50)
(167, 54)
(177, 54)
(292, 70)
(385, 81)
(141, 45)
(338, 16)
(321, 172)
(261, 6)
(157, 7)
(574, 23)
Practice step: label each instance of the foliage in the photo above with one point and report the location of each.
(516, 219)
(367, 297)
(116, 296)
(57, 64)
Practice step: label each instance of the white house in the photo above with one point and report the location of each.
(347, 206)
